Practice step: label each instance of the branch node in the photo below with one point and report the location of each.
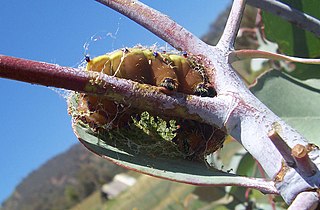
(282, 147)
(303, 161)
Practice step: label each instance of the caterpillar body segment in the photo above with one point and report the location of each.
(101, 63)
(161, 71)
(125, 64)
(131, 65)
(100, 112)
(188, 78)
(163, 74)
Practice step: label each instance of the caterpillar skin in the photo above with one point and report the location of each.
(132, 65)
(190, 80)
(161, 70)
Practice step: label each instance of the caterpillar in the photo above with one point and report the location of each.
(172, 72)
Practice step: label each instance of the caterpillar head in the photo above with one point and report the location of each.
(205, 90)
(169, 84)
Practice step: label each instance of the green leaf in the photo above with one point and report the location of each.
(172, 168)
(291, 39)
(247, 167)
(162, 163)
(295, 41)
(295, 101)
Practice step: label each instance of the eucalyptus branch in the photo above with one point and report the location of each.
(232, 26)
(305, 201)
(290, 14)
(158, 23)
(249, 54)
(140, 96)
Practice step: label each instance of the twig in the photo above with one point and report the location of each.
(290, 14)
(141, 96)
(302, 159)
(43, 73)
(282, 147)
(263, 174)
(158, 23)
(244, 54)
(232, 26)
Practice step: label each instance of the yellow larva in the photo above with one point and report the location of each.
(128, 65)
(171, 71)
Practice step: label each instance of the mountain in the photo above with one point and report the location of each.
(62, 181)
(216, 28)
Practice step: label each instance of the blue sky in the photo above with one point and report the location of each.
(35, 125)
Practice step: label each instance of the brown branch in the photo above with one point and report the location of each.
(43, 73)
(140, 96)
(282, 147)
(303, 161)
(159, 24)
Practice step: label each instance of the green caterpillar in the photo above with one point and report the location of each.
(172, 72)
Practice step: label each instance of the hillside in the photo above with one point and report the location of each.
(72, 180)
(62, 181)
(158, 194)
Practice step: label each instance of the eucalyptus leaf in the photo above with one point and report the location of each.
(175, 168)
(295, 101)
(247, 166)
(291, 39)
(295, 41)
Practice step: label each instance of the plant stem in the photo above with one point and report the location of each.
(282, 147)
(290, 14)
(229, 35)
(158, 23)
(234, 109)
(141, 96)
(43, 73)
(249, 54)
(302, 159)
